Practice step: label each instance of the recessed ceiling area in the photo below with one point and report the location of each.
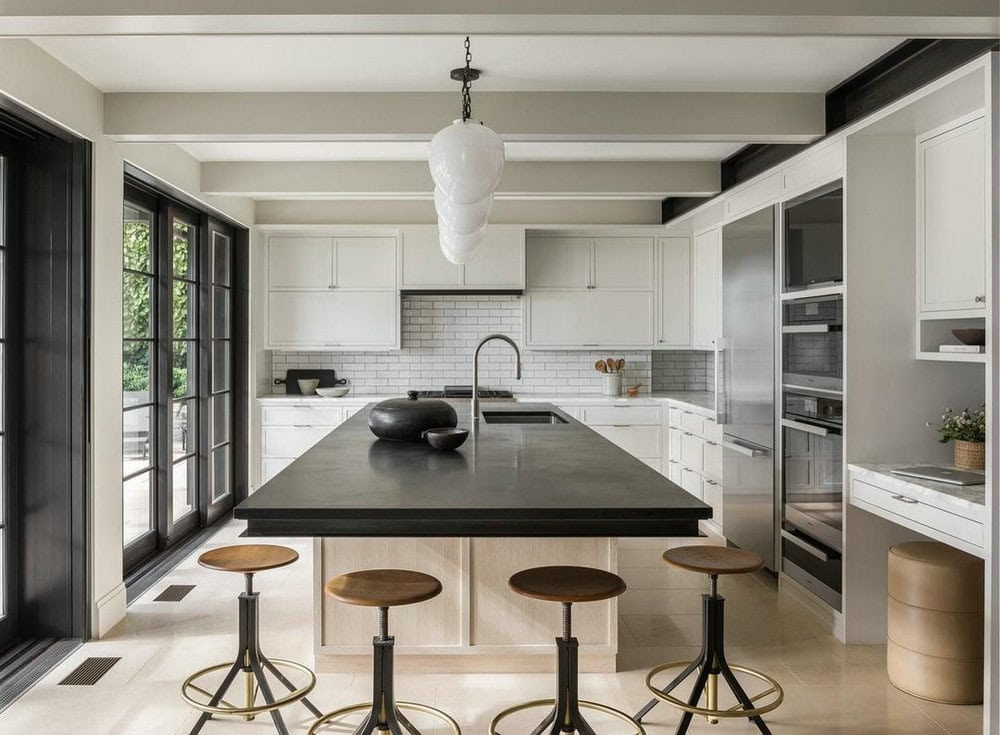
(417, 151)
(421, 63)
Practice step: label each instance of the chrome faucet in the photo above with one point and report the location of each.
(475, 368)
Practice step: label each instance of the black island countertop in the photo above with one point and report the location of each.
(506, 480)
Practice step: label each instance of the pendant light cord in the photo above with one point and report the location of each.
(467, 83)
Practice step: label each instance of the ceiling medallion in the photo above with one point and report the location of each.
(466, 161)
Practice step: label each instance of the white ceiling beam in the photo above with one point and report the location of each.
(527, 116)
(898, 18)
(412, 180)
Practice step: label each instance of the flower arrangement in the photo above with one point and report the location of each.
(967, 426)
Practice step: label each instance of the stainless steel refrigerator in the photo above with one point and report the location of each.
(747, 384)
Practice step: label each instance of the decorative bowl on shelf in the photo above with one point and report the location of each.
(970, 336)
(446, 438)
(339, 392)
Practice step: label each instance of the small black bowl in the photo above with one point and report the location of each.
(446, 438)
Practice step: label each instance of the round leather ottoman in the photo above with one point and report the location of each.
(935, 622)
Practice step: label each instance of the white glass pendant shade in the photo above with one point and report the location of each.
(466, 161)
(460, 247)
(461, 217)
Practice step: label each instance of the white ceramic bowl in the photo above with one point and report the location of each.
(333, 392)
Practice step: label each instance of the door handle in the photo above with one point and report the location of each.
(904, 499)
(745, 450)
(802, 426)
(804, 545)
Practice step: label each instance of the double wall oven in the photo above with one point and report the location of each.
(812, 416)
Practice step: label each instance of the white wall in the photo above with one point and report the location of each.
(36, 80)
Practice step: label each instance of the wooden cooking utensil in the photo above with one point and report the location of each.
(620, 365)
(601, 366)
(611, 364)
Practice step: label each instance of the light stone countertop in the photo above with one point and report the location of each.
(969, 497)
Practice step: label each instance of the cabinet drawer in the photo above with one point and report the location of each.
(712, 494)
(674, 444)
(674, 417)
(621, 415)
(691, 481)
(692, 422)
(270, 467)
(691, 452)
(290, 441)
(301, 415)
(712, 460)
(711, 429)
(674, 473)
(901, 503)
(639, 441)
(573, 411)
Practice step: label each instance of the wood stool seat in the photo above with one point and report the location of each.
(567, 584)
(713, 560)
(248, 558)
(383, 587)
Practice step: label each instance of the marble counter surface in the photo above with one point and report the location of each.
(972, 497)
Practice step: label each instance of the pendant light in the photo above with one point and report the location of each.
(466, 161)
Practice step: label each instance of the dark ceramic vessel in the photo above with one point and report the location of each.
(446, 438)
(406, 419)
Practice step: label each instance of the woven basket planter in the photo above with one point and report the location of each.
(970, 455)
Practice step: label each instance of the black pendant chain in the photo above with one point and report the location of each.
(466, 75)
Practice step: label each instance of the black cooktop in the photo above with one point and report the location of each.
(463, 391)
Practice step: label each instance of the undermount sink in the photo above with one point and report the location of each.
(522, 417)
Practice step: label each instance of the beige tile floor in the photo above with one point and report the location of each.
(829, 688)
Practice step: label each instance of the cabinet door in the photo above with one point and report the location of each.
(364, 319)
(623, 263)
(299, 319)
(706, 278)
(675, 292)
(500, 262)
(590, 319)
(674, 449)
(300, 263)
(952, 222)
(423, 263)
(558, 262)
(692, 452)
(365, 263)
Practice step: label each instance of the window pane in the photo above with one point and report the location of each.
(184, 427)
(138, 515)
(220, 312)
(137, 243)
(184, 491)
(137, 439)
(220, 419)
(220, 259)
(184, 314)
(137, 373)
(182, 250)
(221, 479)
(184, 380)
(220, 365)
(137, 300)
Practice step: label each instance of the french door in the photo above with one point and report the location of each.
(8, 608)
(176, 373)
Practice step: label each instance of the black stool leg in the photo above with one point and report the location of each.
(384, 717)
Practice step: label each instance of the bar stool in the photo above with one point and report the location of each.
(566, 585)
(248, 559)
(713, 561)
(384, 588)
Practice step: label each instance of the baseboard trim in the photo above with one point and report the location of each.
(109, 610)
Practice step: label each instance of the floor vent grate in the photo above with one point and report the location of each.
(90, 671)
(174, 593)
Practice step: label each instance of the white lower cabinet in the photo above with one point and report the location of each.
(693, 456)
(636, 429)
(288, 430)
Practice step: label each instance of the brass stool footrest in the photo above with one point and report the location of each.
(247, 711)
(597, 706)
(711, 712)
(415, 706)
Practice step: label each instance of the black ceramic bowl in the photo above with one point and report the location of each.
(970, 336)
(446, 438)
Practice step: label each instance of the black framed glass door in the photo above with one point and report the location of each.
(177, 373)
(8, 608)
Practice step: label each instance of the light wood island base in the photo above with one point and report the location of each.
(477, 624)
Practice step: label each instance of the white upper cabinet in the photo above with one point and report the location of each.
(674, 274)
(300, 263)
(498, 265)
(706, 280)
(334, 320)
(559, 262)
(365, 263)
(952, 208)
(623, 263)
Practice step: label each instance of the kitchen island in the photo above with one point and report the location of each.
(514, 495)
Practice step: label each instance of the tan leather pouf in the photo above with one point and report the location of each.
(935, 625)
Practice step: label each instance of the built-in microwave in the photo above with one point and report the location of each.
(814, 239)
(812, 342)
